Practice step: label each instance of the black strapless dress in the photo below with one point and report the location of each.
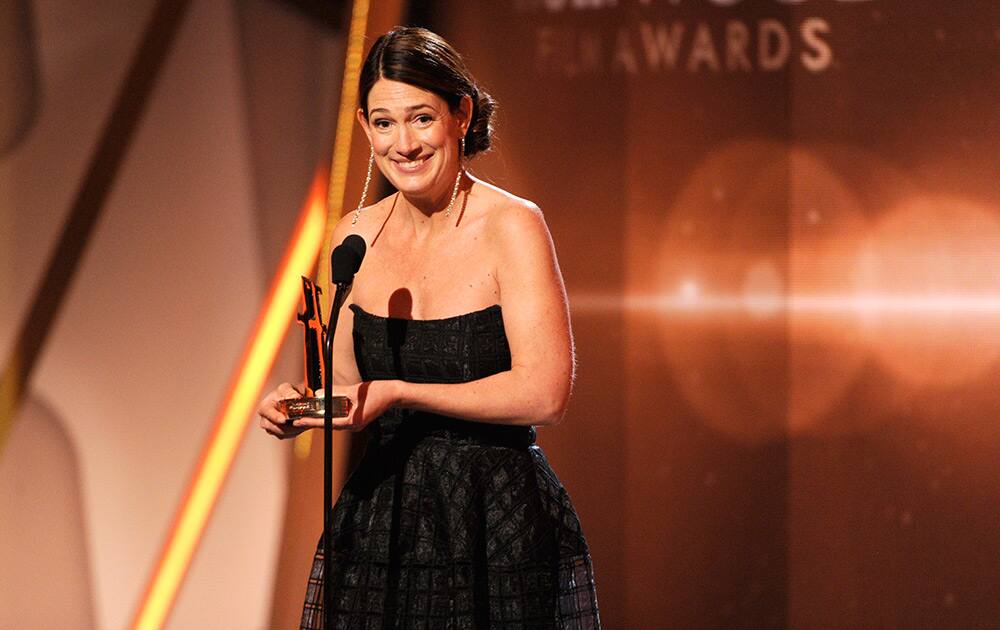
(448, 523)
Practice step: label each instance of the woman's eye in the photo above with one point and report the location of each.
(424, 119)
(381, 124)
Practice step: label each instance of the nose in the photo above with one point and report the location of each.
(406, 142)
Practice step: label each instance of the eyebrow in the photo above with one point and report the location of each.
(408, 109)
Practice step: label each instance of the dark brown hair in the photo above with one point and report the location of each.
(421, 58)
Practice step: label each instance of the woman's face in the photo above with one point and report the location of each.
(415, 136)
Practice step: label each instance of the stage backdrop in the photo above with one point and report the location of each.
(155, 319)
(779, 224)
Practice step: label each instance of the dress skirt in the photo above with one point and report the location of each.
(454, 524)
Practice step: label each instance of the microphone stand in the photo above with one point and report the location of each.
(338, 300)
(344, 263)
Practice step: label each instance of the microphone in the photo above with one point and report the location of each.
(344, 263)
(346, 259)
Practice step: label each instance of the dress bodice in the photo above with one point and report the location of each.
(455, 349)
(450, 350)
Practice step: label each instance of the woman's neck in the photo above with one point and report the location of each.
(426, 211)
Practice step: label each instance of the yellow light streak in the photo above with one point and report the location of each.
(237, 412)
(339, 162)
(312, 234)
(302, 445)
(10, 394)
(340, 159)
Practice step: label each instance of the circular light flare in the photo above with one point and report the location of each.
(757, 366)
(730, 370)
(688, 293)
(763, 290)
(827, 229)
(935, 274)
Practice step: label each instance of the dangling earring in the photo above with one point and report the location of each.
(364, 191)
(458, 179)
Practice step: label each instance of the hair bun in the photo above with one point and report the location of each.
(479, 136)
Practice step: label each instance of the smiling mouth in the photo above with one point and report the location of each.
(410, 165)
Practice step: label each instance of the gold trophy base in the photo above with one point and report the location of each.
(312, 407)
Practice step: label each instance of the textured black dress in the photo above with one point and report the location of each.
(448, 523)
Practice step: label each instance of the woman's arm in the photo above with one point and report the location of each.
(536, 389)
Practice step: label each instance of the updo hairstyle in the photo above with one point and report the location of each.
(421, 58)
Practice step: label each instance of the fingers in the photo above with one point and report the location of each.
(270, 402)
(339, 424)
(276, 423)
(282, 431)
(268, 411)
(272, 419)
(352, 422)
(287, 390)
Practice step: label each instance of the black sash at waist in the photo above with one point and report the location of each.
(409, 426)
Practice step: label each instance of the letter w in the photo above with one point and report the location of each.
(661, 46)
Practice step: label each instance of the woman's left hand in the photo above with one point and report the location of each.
(369, 400)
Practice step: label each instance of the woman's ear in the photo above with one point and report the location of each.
(363, 121)
(465, 113)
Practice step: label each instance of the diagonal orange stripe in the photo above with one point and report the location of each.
(312, 233)
(342, 140)
(236, 413)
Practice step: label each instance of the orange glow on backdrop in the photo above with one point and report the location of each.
(814, 295)
(236, 412)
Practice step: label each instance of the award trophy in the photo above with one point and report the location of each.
(311, 403)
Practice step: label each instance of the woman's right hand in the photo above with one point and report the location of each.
(272, 420)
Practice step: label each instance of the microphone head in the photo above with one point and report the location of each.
(346, 259)
(357, 244)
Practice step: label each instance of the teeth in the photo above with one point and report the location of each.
(413, 163)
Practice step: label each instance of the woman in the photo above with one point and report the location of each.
(461, 342)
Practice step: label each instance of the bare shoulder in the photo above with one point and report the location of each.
(511, 217)
(367, 225)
